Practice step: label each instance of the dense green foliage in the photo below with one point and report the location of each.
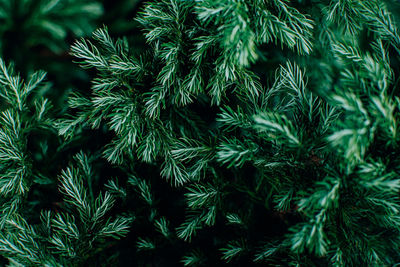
(229, 132)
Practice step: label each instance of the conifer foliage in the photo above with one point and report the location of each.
(240, 133)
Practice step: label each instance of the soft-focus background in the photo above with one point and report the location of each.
(37, 34)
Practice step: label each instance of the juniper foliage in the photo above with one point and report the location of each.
(243, 132)
(19, 119)
(66, 238)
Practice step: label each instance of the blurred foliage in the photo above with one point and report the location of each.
(37, 34)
